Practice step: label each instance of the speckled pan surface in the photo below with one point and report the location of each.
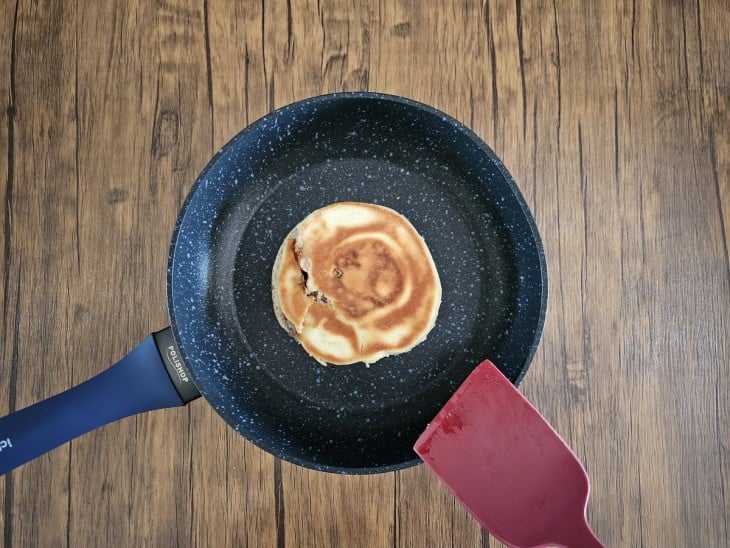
(350, 147)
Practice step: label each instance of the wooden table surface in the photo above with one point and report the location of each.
(613, 119)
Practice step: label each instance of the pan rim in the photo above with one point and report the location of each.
(467, 133)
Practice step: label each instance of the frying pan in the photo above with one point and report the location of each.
(224, 342)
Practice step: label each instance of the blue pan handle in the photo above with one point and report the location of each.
(152, 376)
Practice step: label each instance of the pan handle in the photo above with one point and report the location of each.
(145, 379)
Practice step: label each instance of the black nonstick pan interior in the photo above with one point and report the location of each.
(350, 147)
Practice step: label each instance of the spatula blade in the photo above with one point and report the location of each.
(507, 465)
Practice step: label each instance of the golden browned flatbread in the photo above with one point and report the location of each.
(355, 282)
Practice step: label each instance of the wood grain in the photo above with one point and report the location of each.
(613, 119)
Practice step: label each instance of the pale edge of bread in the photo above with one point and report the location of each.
(280, 316)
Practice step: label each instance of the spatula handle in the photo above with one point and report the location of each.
(579, 536)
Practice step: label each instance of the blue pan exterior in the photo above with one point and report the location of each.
(364, 147)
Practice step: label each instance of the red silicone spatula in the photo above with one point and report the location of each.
(507, 465)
